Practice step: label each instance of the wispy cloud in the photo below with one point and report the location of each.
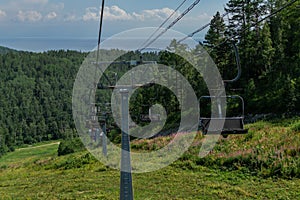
(51, 16)
(70, 18)
(30, 10)
(29, 16)
(112, 13)
(155, 14)
(37, 11)
(115, 13)
(204, 17)
(90, 14)
(2, 14)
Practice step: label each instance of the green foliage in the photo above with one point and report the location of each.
(75, 162)
(69, 146)
(43, 175)
(269, 54)
(35, 93)
(296, 126)
(268, 150)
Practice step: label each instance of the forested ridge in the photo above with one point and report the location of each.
(36, 91)
(36, 88)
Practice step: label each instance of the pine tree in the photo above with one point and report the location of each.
(244, 15)
(214, 37)
(276, 28)
(216, 32)
(265, 50)
(237, 21)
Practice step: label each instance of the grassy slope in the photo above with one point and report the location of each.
(269, 149)
(37, 173)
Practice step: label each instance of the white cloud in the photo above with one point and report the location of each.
(70, 18)
(112, 13)
(51, 15)
(31, 16)
(90, 14)
(155, 14)
(202, 18)
(116, 13)
(2, 14)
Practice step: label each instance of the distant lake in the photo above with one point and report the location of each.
(46, 44)
(78, 44)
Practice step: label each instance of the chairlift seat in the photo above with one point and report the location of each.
(232, 125)
(152, 118)
(92, 124)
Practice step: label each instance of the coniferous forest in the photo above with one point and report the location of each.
(36, 88)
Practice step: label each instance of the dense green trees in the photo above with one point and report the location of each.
(269, 53)
(35, 96)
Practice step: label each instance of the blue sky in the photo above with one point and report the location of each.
(79, 18)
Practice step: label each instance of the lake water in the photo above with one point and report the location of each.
(84, 45)
(46, 44)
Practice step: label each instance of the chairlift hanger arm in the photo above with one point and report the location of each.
(237, 61)
(111, 86)
(238, 64)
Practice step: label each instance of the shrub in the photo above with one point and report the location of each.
(115, 136)
(296, 126)
(74, 162)
(70, 146)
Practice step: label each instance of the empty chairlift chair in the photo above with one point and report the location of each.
(232, 124)
(150, 117)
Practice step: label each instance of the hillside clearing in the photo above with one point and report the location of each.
(38, 173)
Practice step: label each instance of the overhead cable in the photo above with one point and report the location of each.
(200, 29)
(172, 24)
(164, 22)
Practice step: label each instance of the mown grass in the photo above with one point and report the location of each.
(29, 154)
(38, 173)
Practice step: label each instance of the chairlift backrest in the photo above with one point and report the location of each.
(230, 96)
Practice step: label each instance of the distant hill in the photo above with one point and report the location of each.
(5, 50)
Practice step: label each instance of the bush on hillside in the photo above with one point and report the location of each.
(69, 146)
(296, 126)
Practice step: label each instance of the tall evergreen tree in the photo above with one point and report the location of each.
(219, 53)
(244, 15)
(266, 51)
(276, 28)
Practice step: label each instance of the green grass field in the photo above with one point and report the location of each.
(37, 172)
